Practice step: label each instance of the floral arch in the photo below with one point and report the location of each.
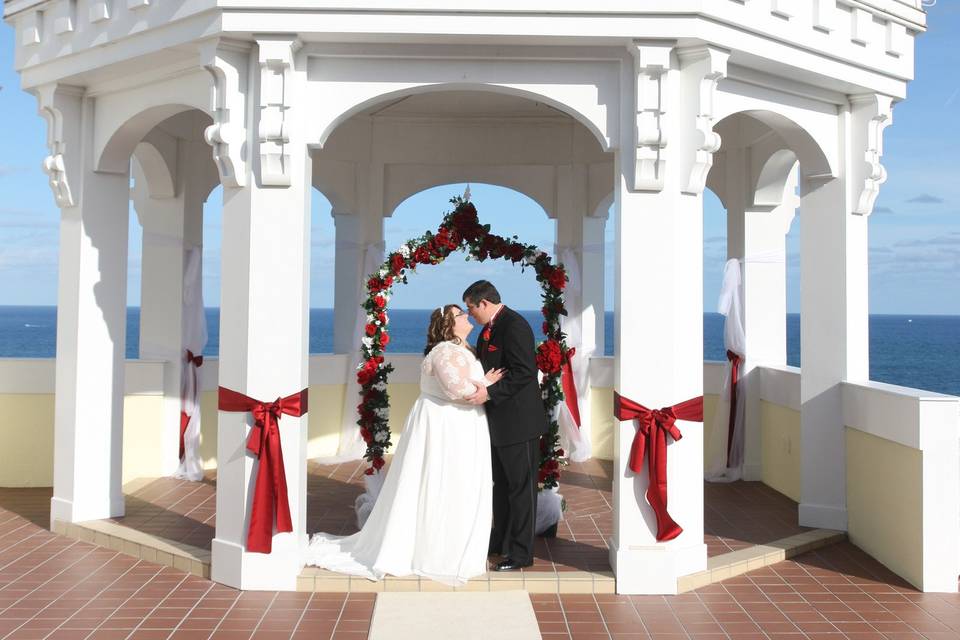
(461, 230)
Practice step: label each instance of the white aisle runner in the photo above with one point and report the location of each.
(467, 615)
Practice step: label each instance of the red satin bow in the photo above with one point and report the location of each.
(270, 491)
(569, 387)
(735, 361)
(196, 361)
(651, 438)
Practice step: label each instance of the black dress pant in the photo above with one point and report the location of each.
(515, 469)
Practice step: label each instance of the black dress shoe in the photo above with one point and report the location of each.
(511, 565)
(551, 532)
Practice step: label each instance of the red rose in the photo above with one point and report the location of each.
(397, 263)
(515, 252)
(546, 328)
(548, 356)
(365, 434)
(370, 328)
(387, 282)
(364, 376)
(382, 317)
(379, 302)
(374, 284)
(558, 279)
(559, 453)
(542, 476)
(422, 255)
(377, 463)
(551, 465)
(384, 339)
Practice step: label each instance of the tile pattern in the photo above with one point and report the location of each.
(737, 515)
(52, 587)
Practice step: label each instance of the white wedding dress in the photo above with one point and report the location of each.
(432, 516)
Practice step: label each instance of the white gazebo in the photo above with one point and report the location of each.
(773, 104)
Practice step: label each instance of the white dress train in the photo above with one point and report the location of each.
(432, 517)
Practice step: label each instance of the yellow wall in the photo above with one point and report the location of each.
(27, 432)
(884, 502)
(780, 449)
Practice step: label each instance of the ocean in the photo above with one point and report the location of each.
(913, 351)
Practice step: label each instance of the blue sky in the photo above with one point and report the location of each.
(914, 231)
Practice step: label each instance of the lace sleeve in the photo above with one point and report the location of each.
(451, 366)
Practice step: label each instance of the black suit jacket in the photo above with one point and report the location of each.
(515, 410)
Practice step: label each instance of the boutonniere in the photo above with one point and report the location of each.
(486, 334)
(491, 347)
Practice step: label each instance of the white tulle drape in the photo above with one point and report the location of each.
(194, 339)
(576, 440)
(730, 305)
(352, 446)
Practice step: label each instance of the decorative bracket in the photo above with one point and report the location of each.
(871, 114)
(651, 64)
(60, 107)
(276, 60)
(707, 65)
(228, 61)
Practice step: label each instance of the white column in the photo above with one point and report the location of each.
(264, 322)
(581, 237)
(172, 221)
(659, 309)
(757, 236)
(91, 316)
(834, 319)
(355, 233)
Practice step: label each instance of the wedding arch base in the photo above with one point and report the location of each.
(579, 109)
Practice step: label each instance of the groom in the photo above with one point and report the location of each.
(517, 420)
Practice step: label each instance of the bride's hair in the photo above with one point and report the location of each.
(441, 327)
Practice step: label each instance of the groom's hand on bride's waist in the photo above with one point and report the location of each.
(479, 397)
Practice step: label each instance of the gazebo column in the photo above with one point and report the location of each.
(756, 234)
(264, 322)
(579, 244)
(358, 233)
(171, 214)
(91, 315)
(834, 321)
(665, 151)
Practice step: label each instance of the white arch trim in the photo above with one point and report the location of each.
(809, 128)
(340, 88)
(122, 119)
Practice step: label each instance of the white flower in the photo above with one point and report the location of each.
(382, 412)
(367, 342)
(383, 272)
(529, 259)
(379, 385)
(405, 250)
(381, 436)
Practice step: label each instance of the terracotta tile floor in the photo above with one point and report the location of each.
(54, 587)
(737, 515)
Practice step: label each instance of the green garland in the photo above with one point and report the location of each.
(460, 230)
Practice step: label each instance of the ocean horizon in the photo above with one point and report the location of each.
(919, 351)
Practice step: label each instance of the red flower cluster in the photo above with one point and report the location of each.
(397, 263)
(370, 329)
(549, 356)
(466, 223)
(376, 285)
(369, 370)
(557, 278)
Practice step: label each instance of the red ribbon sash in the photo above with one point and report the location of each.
(270, 491)
(651, 439)
(735, 361)
(196, 361)
(569, 386)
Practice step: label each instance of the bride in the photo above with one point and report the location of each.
(432, 517)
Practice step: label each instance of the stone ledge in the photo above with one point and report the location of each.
(138, 544)
(735, 563)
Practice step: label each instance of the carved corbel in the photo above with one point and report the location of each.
(651, 67)
(871, 114)
(228, 63)
(707, 66)
(273, 127)
(60, 107)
